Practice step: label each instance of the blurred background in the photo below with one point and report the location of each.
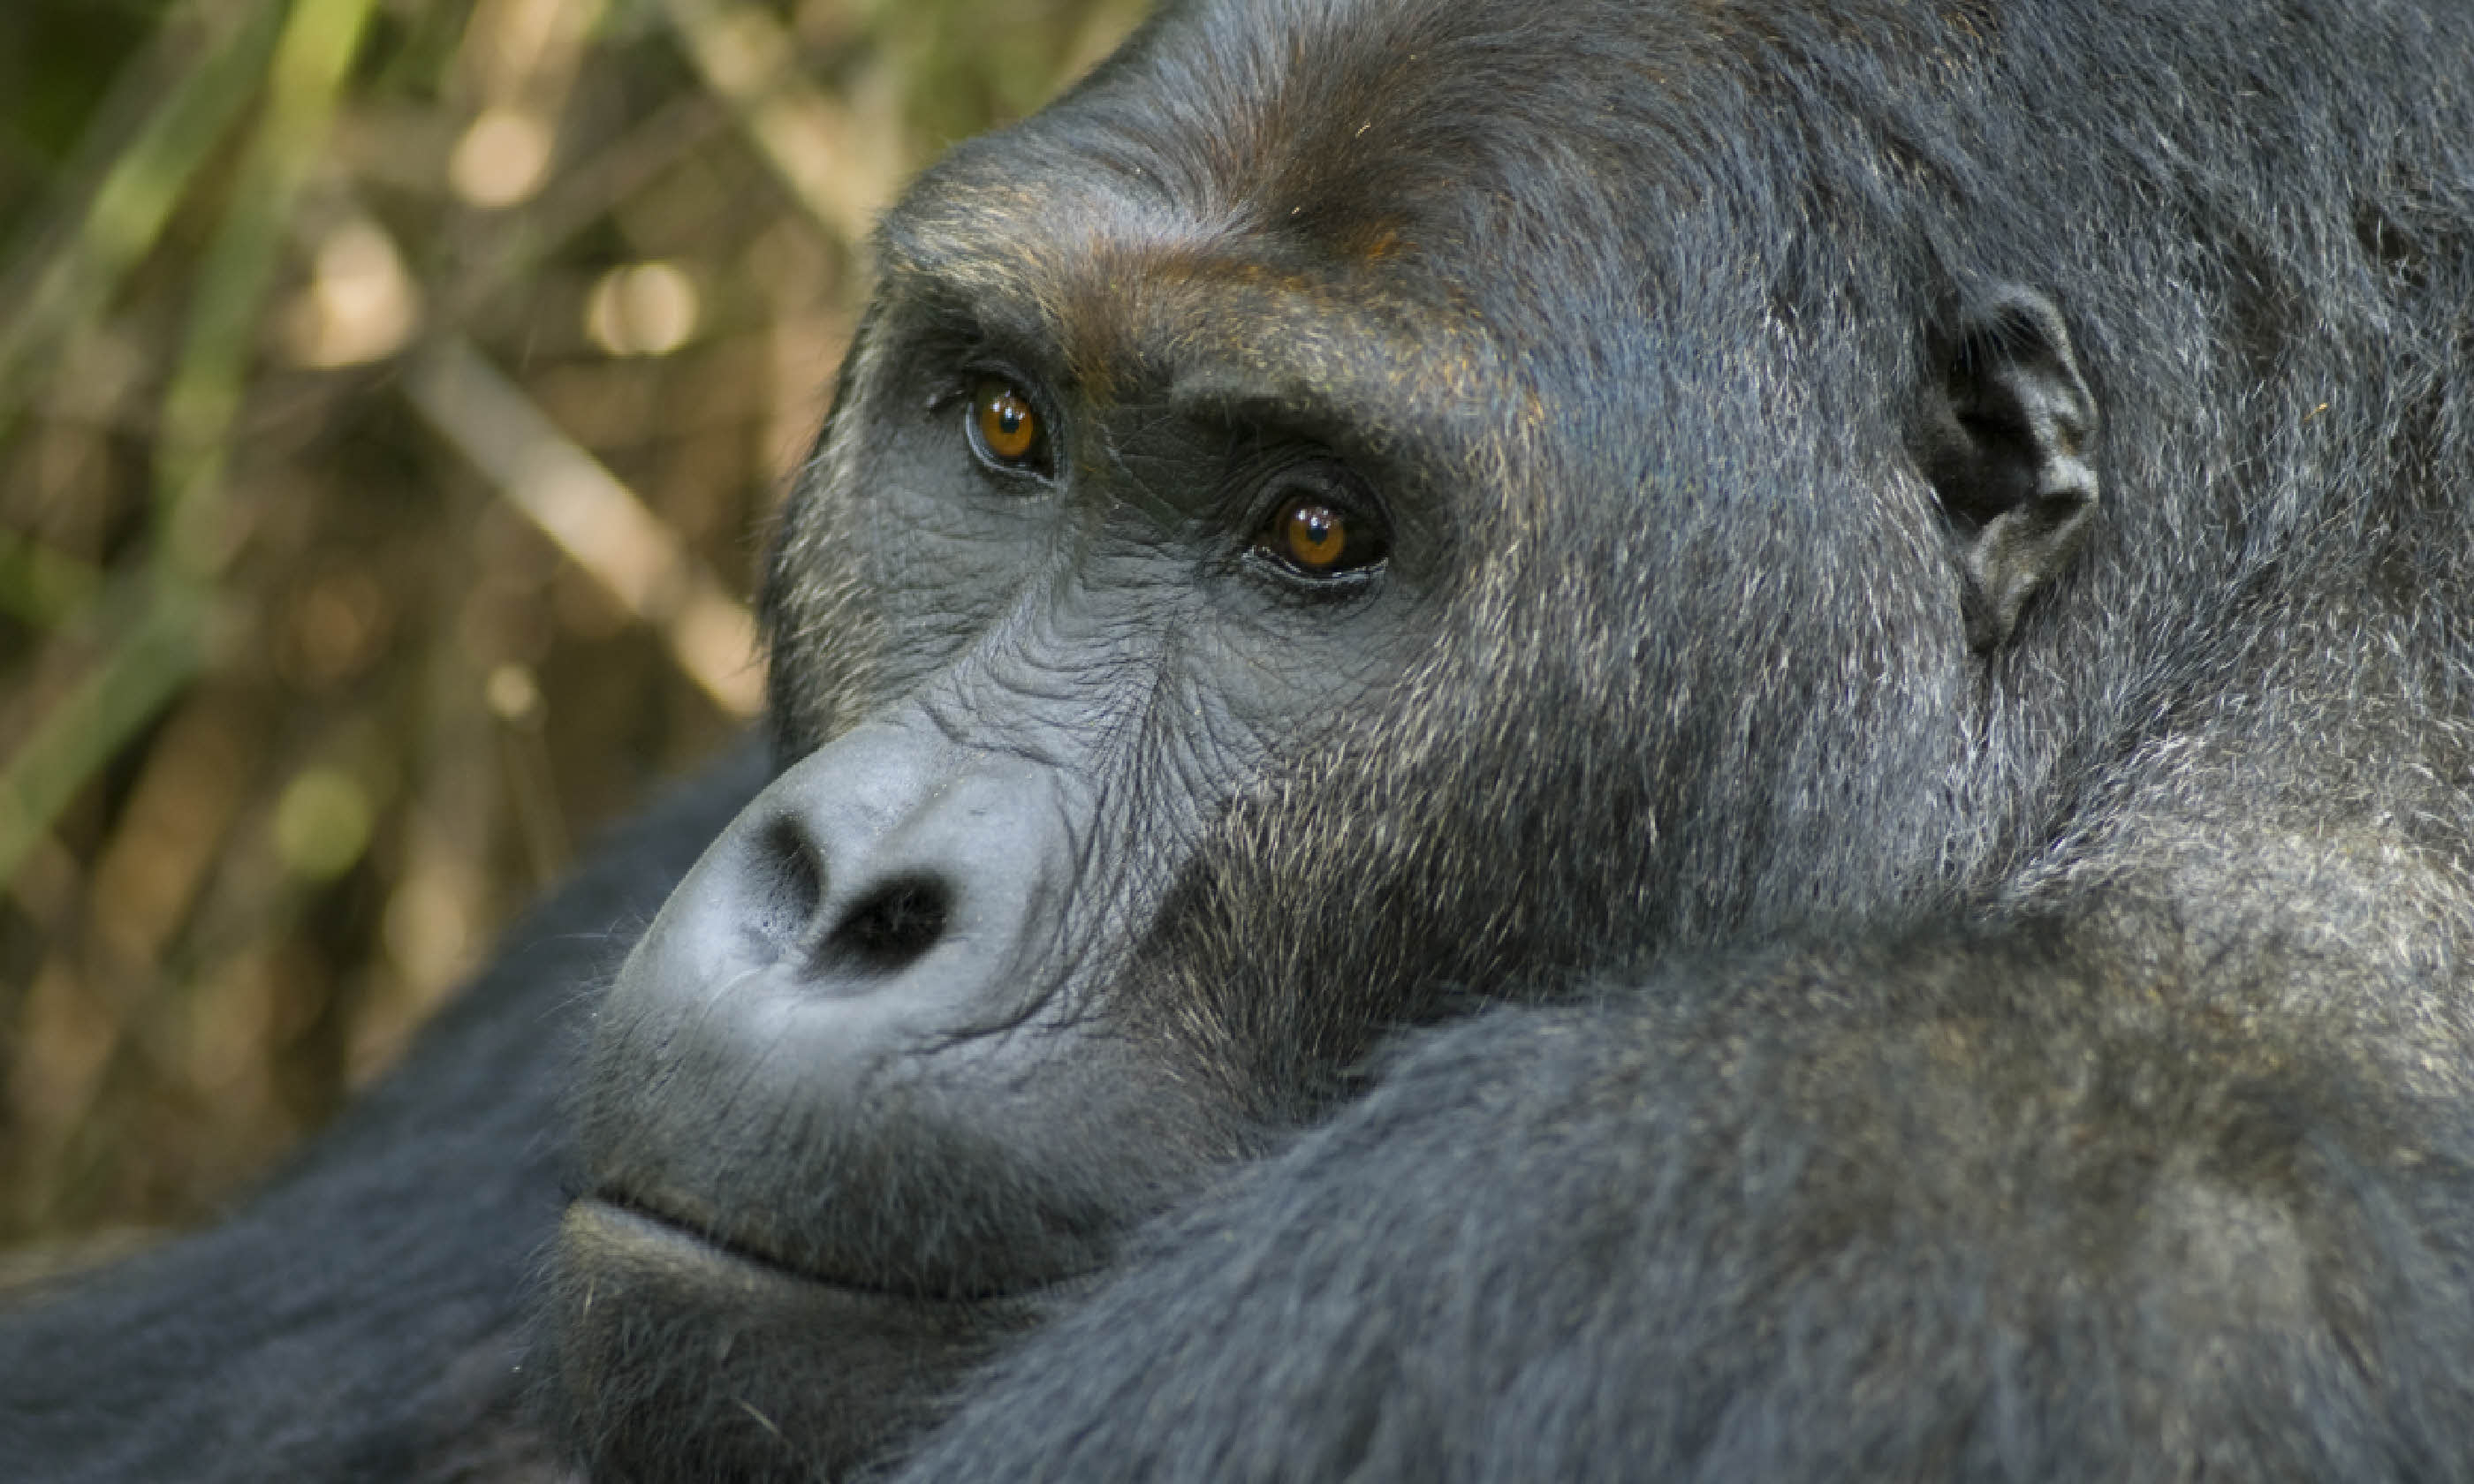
(393, 397)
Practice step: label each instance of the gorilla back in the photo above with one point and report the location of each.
(1889, 584)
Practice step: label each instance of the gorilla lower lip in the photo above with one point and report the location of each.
(612, 1221)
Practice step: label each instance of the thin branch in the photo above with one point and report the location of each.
(592, 516)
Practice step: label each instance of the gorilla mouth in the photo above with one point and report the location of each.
(618, 1219)
(803, 1371)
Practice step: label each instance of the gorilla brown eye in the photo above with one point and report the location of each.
(1005, 427)
(1308, 535)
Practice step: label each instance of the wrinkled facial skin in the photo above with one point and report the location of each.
(1164, 637)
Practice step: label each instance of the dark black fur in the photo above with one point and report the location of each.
(1958, 1210)
(1928, 662)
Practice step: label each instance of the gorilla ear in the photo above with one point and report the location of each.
(2006, 438)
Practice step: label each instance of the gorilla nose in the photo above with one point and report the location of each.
(881, 860)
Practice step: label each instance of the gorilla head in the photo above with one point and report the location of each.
(1364, 508)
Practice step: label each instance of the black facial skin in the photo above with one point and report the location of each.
(1860, 868)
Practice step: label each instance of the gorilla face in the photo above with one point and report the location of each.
(1298, 549)
(903, 1055)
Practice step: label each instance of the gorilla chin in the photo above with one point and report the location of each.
(665, 1333)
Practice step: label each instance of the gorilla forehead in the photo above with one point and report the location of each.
(1424, 246)
(1141, 296)
(1446, 116)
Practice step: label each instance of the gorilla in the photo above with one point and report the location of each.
(1632, 739)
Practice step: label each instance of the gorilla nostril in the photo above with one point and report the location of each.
(792, 882)
(891, 927)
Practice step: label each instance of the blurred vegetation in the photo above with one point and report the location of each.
(393, 393)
